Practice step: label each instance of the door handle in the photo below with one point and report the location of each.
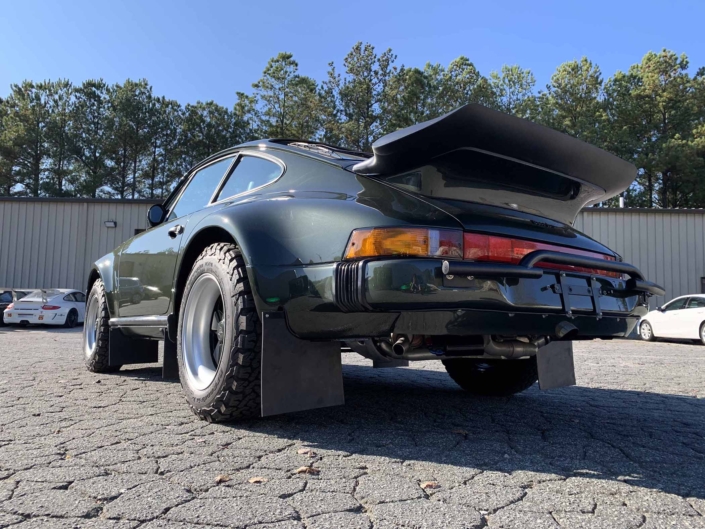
(176, 230)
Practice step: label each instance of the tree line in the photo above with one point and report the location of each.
(122, 140)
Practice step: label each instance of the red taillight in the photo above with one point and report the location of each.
(10, 306)
(50, 307)
(478, 247)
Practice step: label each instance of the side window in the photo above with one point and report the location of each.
(80, 297)
(69, 297)
(675, 305)
(200, 189)
(696, 303)
(250, 173)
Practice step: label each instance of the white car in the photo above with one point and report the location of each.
(682, 318)
(56, 306)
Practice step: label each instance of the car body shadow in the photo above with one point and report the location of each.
(418, 417)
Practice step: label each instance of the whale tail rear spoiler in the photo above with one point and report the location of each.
(479, 148)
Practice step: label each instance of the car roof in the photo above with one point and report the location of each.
(320, 151)
(687, 296)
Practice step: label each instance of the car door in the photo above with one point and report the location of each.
(691, 317)
(148, 260)
(665, 324)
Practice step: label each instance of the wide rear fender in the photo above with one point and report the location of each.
(313, 227)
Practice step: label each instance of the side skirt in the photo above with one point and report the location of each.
(297, 374)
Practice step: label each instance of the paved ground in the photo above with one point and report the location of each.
(624, 449)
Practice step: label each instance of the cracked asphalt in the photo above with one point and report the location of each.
(624, 449)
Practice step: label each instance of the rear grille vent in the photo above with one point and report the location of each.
(348, 286)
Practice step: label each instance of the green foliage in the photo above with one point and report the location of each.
(121, 140)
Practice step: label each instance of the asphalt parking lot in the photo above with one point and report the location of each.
(625, 448)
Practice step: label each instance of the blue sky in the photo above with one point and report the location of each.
(211, 49)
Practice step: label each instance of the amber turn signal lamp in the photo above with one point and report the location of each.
(404, 242)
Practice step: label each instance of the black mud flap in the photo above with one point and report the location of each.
(297, 374)
(125, 350)
(555, 365)
(170, 365)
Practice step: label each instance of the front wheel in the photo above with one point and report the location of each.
(96, 333)
(702, 333)
(218, 339)
(646, 332)
(493, 377)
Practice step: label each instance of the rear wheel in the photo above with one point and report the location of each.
(71, 319)
(493, 377)
(218, 342)
(96, 333)
(646, 332)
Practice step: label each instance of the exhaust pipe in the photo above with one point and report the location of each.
(566, 330)
(401, 346)
(513, 348)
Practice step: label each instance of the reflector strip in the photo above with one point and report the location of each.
(479, 247)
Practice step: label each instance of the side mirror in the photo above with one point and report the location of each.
(156, 214)
(660, 309)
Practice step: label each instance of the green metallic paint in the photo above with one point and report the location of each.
(293, 231)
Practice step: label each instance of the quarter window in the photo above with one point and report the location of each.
(80, 297)
(250, 173)
(200, 189)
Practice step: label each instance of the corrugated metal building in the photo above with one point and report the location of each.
(52, 242)
(667, 245)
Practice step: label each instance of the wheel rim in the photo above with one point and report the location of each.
(645, 331)
(203, 332)
(91, 325)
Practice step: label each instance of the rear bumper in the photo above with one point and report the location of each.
(413, 296)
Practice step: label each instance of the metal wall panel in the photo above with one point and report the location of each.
(667, 245)
(47, 243)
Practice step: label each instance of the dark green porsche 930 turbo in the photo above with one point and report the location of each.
(453, 241)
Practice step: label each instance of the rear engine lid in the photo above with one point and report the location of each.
(478, 155)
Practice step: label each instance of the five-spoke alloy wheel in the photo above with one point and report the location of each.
(218, 338)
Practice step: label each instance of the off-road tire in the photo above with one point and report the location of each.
(71, 319)
(97, 361)
(235, 390)
(650, 335)
(493, 377)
